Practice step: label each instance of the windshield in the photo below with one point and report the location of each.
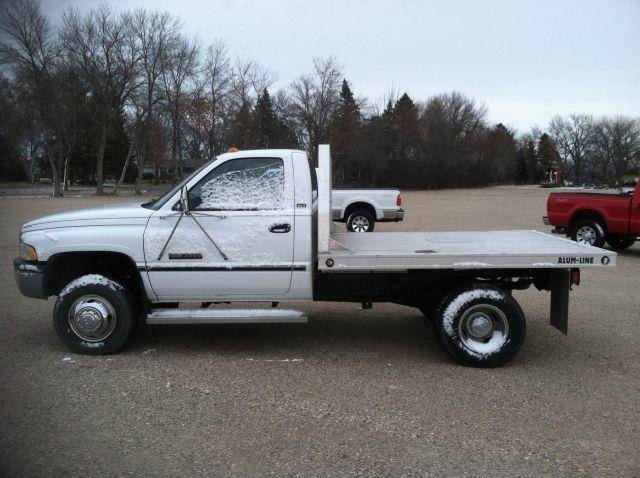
(156, 204)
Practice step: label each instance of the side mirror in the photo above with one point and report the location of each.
(184, 199)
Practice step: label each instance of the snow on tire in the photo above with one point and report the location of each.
(480, 325)
(94, 315)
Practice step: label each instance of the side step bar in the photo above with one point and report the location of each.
(225, 316)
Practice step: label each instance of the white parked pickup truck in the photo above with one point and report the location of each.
(253, 226)
(360, 209)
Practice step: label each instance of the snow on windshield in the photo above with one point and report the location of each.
(242, 184)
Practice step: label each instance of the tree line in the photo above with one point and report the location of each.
(106, 94)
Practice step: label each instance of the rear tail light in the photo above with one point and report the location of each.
(575, 276)
(399, 200)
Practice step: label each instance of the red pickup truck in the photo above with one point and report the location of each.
(593, 218)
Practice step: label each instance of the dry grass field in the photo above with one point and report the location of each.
(372, 393)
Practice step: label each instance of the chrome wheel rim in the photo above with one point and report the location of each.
(92, 318)
(360, 224)
(483, 328)
(586, 235)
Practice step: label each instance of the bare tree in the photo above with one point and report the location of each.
(216, 87)
(156, 34)
(624, 134)
(572, 137)
(102, 46)
(29, 45)
(315, 98)
(451, 127)
(178, 76)
(261, 78)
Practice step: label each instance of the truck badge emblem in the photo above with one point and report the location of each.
(185, 255)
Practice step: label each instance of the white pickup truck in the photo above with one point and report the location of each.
(253, 226)
(360, 209)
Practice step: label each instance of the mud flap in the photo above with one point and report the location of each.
(560, 283)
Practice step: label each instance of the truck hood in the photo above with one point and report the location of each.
(113, 214)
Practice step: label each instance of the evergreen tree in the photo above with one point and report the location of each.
(241, 134)
(497, 157)
(270, 131)
(520, 172)
(534, 171)
(346, 137)
(405, 137)
(547, 153)
(264, 121)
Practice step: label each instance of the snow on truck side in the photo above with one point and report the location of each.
(256, 226)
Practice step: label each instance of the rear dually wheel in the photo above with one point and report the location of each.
(480, 325)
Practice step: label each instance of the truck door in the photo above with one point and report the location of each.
(634, 216)
(236, 240)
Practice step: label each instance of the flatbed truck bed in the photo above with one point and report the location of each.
(401, 251)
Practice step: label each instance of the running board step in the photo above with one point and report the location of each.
(225, 316)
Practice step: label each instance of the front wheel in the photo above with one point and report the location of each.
(480, 325)
(94, 315)
(360, 221)
(589, 232)
(619, 243)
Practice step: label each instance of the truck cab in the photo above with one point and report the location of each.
(246, 233)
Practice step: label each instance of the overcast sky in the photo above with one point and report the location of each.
(526, 60)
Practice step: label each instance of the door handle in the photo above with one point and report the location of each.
(282, 228)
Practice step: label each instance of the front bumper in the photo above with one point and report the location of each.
(29, 277)
(392, 215)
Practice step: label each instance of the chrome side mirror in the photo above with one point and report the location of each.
(184, 199)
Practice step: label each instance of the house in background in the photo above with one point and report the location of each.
(553, 177)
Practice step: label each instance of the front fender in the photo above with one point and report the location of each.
(125, 239)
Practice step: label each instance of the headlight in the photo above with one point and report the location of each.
(27, 252)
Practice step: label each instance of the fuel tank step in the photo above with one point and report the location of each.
(225, 316)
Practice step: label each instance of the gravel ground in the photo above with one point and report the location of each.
(371, 393)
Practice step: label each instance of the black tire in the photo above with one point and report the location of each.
(619, 242)
(485, 303)
(94, 294)
(358, 218)
(591, 228)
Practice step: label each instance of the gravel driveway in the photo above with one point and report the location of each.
(354, 392)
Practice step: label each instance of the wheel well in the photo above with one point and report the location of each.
(587, 214)
(358, 206)
(64, 267)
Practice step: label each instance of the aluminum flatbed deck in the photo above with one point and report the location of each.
(401, 251)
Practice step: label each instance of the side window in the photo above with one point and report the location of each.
(243, 184)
